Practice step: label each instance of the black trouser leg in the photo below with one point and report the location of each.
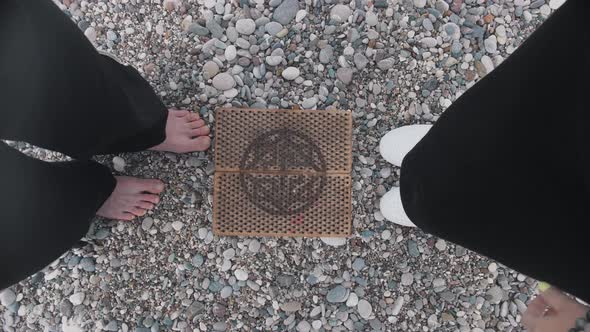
(504, 171)
(56, 92)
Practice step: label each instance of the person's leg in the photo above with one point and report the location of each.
(60, 94)
(503, 170)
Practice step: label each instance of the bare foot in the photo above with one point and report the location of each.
(131, 198)
(185, 132)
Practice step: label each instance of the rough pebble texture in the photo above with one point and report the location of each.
(167, 272)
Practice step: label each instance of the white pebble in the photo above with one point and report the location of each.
(241, 275)
(119, 164)
(290, 73)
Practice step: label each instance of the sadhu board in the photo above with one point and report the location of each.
(283, 173)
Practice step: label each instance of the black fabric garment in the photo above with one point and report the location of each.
(58, 93)
(505, 170)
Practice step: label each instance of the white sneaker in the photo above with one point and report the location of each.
(396, 144)
(393, 210)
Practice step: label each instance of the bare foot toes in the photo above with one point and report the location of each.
(185, 132)
(131, 198)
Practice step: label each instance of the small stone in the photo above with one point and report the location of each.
(229, 253)
(226, 292)
(230, 53)
(272, 28)
(245, 26)
(441, 245)
(210, 69)
(493, 267)
(428, 42)
(223, 81)
(274, 60)
(413, 248)
(194, 309)
(334, 241)
(303, 326)
(360, 61)
(397, 306)
(220, 326)
(344, 75)
(438, 283)
(254, 246)
(300, 15)
(90, 33)
(386, 235)
(371, 19)
(386, 64)
(419, 3)
(87, 264)
(7, 297)
(285, 280)
(241, 275)
(77, 298)
(358, 264)
(197, 29)
(491, 44)
(340, 13)
(353, 300)
(197, 260)
(119, 164)
(495, 295)
(290, 73)
(326, 55)
(452, 30)
(177, 225)
(407, 279)
(338, 294)
(292, 306)
(555, 4)
(286, 12)
(365, 309)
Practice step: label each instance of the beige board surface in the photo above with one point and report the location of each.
(283, 173)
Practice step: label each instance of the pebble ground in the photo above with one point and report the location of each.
(392, 62)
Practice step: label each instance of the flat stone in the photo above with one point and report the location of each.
(340, 13)
(407, 279)
(428, 42)
(292, 306)
(223, 81)
(344, 75)
(360, 61)
(272, 28)
(364, 309)
(334, 241)
(441, 245)
(371, 19)
(226, 292)
(413, 248)
(338, 294)
(326, 55)
(77, 298)
(397, 306)
(290, 73)
(286, 12)
(241, 275)
(386, 64)
(245, 26)
(303, 326)
(254, 246)
(495, 295)
(194, 309)
(301, 14)
(7, 297)
(230, 53)
(274, 60)
(220, 326)
(197, 260)
(419, 3)
(210, 69)
(491, 44)
(352, 300)
(358, 264)
(197, 29)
